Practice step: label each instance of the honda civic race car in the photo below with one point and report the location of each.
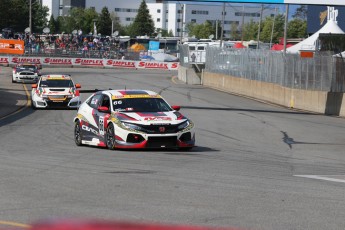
(131, 119)
(26, 73)
(53, 91)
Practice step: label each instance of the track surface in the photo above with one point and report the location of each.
(243, 173)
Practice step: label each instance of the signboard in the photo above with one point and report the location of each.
(11, 46)
(153, 45)
(299, 2)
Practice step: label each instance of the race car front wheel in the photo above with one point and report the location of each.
(77, 134)
(110, 137)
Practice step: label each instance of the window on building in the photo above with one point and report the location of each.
(158, 19)
(158, 10)
(179, 11)
(200, 12)
(179, 20)
(193, 20)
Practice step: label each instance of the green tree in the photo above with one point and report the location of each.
(278, 30)
(234, 33)
(250, 30)
(297, 28)
(39, 17)
(143, 23)
(52, 25)
(200, 30)
(14, 14)
(301, 13)
(104, 23)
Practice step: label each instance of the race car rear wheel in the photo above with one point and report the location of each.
(77, 134)
(110, 137)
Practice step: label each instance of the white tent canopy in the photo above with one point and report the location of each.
(331, 27)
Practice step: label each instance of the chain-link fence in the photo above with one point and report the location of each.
(323, 72)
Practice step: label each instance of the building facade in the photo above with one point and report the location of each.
(168, 15)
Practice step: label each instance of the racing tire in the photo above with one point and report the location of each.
(78, 137)
(32, 105)
(13, 81)
(110, 137)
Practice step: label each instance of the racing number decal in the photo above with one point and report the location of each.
(101, 125)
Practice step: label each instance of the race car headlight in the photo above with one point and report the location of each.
(132, 126)
(183, 125)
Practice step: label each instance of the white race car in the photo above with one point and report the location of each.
(132, 119)
(26, 73)
(55, 91)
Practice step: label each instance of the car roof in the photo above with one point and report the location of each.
(56, 77)
(131, 93)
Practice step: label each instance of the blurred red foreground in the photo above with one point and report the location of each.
(110, 225)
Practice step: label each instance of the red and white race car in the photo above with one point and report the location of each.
(55, 91)
(132, 119)
(26, 72)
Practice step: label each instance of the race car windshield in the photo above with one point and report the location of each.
(28, 66)
(56, 83)
(141, 105)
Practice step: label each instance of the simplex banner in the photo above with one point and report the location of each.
(89, 62)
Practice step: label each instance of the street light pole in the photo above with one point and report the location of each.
(181, 29)
(222, 32)
(30, 17)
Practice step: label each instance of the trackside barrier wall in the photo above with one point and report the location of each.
(315, 101)
(85, 62)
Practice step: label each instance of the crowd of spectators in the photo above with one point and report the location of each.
(87, 46)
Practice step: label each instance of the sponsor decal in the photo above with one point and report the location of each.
(89, 62)
(101, 125)
(4, 60)
(60, 61)
(20, 59)
(86, 128)
(157, 119)
(153, 65)
(127, 64)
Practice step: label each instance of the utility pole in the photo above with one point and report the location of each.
(222, 32)
(274, 19)
(262, 10)
(242, 25)
(285, 26)
(181, 29)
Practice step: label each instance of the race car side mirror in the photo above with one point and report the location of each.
(103, 109)
(77, 86)
(34, 86)
(176, 107)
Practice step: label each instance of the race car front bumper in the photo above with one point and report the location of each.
(63, 102)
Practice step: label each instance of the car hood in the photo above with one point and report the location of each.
(171, 117)
(57, 91)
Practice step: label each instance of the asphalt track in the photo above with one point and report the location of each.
(255, 166)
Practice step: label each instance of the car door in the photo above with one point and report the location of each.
(102, 116)
(90, 127)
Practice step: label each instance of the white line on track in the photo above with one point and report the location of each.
(332, 178)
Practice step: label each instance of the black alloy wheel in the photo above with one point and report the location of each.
(77, 134)
(110, 137)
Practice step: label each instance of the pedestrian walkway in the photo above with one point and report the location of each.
(12, 95)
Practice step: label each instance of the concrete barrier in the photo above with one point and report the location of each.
(314, 101)
(188, 75)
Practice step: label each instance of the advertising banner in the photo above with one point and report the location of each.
(58, 61)
(11, 46)
(97, 63)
